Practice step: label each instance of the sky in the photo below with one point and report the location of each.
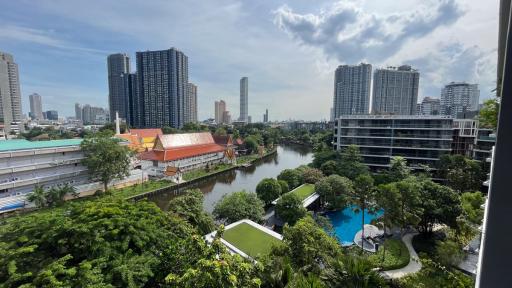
(288, 49)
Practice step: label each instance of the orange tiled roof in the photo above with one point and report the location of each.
(181, 152)
(144, 133)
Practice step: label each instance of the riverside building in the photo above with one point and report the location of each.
(419, 139)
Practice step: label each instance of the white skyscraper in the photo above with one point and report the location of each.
(36, 106)
(352, 89)
(10, 95)
(244, 99)
(191, 104)
(220, 108)
(395, 90)
(458, 97)
(429, 106)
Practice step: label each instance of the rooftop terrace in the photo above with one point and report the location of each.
(22, 144)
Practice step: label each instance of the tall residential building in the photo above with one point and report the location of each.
(134, 113)
(117, 64)
(94, 115)
(244, 99)
(78, 111)
(191, 104)
(395, 90)
(352, 89)
(10, 95)
(51, 115)
(162, 78)
(226, 117)
(265, 116)
(458, 97)
(220, 108)
(429, 106)
(36, 106)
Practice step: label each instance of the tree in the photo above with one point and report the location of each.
(284, 186)
(251, 143)
(105, 159)
(334, 191)
(471, 205)
(308, 246)
(410, 210)
(350, 164)
(38, 197)
(311, 175)
(322, 156)
(449, 253)
(463, 174)
(363, 197)
(387, 198)
(352, 272)
(221, 131)
(292, 176)
(439, 205)
(398, 170)
(169, 130)
(268, 190)
(488, 115)
(329, 167)
(111, 127)
(239, 205)
(189, 207)
(106, 242)
(289, 208)
(216, 268)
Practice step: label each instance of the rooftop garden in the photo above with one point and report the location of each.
(304, 191)
(250, 240)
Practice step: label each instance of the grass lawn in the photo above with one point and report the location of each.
(197, 173)
(397, 255)
(304, 191)
(136, 189)
(250, 240)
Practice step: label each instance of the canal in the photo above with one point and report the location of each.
(242, 179)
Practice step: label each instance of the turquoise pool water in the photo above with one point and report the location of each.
(346, 223)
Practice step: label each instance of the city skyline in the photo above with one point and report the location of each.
(80, 68)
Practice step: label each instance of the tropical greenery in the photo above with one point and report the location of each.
(291, 176)
(268, 190)
(289, 208)
(105, 159)
(51, 197)
(239, 205)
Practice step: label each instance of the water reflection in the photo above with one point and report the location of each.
(243, 179)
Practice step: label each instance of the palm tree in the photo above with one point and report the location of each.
(38, 197)
(363, 198)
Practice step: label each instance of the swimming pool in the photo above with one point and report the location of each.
(347, 223)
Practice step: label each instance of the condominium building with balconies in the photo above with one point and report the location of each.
(419, 139)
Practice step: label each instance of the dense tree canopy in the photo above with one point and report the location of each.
(334, 191)
(439, 205)
(289, 208)
(292, 176)
(102, 243)
(488, 115)
(463, 174)
(189, 207)
(311, 175)
(351, 163)
(239, 205)
(268, 190)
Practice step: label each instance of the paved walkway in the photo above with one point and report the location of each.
(414, 263)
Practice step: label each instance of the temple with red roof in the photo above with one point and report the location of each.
(174, 153)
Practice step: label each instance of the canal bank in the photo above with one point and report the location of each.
(236, 179)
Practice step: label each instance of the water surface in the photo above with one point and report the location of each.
(243, 179)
